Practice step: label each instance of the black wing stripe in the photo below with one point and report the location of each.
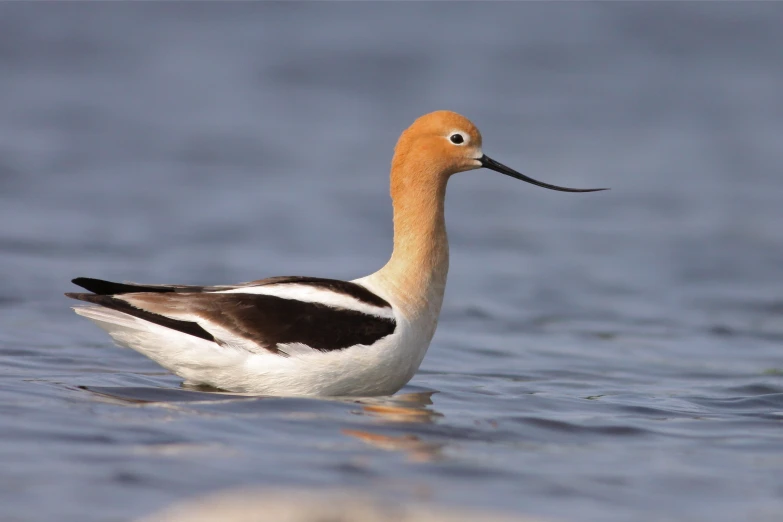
(101, 287)
(270, 321)
(187, 327)
(266, 320)
(358, 292)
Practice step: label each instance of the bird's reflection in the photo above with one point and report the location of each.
(400, 413)
(411, 408)
(406, 408)
(416, 449)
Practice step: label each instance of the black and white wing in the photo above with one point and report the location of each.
(267, 315)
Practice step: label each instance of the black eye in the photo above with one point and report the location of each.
(456, 139)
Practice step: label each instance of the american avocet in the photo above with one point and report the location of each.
(307, 335)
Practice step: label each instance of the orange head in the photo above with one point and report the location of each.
(443, 143)
(439, 144)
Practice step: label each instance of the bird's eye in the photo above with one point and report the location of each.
(457, 139)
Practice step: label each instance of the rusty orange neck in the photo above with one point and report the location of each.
(416, 273)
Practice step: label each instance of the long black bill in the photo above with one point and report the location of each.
(489, 163)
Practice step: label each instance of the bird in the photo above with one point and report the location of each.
(312, 336)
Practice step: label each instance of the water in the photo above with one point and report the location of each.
(601, 357)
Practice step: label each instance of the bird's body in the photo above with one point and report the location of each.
(313, 336)
(279, 336)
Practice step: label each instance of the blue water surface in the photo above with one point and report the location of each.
(600, 357)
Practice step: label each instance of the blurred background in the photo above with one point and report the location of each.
(612, 356)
